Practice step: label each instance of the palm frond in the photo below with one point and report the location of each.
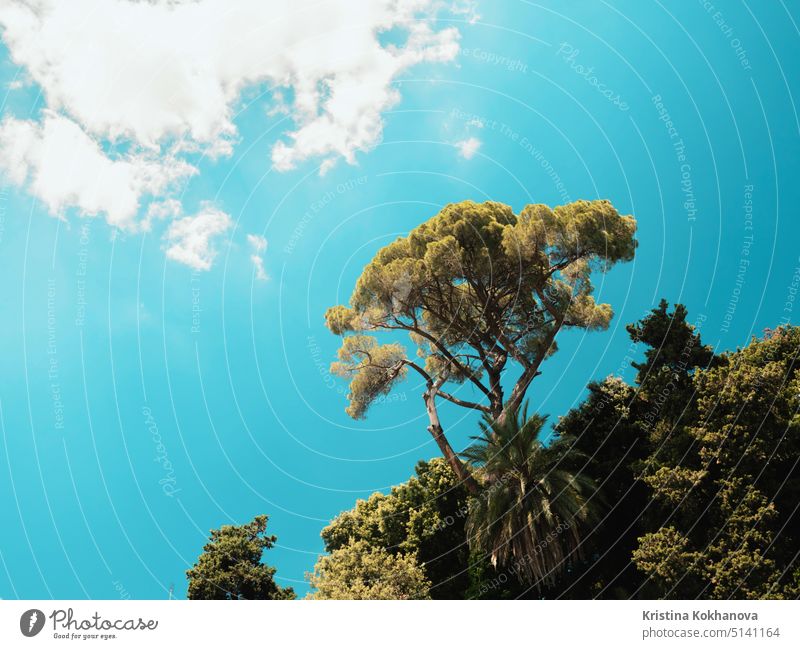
(533, 502)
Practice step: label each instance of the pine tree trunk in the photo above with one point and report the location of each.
(435, 429)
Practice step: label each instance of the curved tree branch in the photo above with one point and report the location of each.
(463, 404)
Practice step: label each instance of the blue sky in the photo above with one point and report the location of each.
(155, 384)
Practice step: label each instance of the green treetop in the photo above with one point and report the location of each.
(423, 517)
(230, 566)
(479, 289)
(361, 571)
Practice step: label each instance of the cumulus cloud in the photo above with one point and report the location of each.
(190, 239)
(468, 148)
(64, 167)
(259, 246)
(161, 80)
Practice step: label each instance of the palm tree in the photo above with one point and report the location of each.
(531, 505)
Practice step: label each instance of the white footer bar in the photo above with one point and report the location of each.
(380, 625)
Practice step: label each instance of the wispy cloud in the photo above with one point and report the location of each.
(258, 244)
(468, 148)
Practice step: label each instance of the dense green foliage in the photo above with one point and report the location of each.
(422, 518)
(362, 571)
(620, 428)
(230, 566)
(606, 428)
(702, 468)
(728, 525)
(695, 468)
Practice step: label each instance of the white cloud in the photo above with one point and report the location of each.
(259, 246)
(258, 243)
(190, 239)
(159, 211)
(467, 8)
(468, 148)
(163, 78)
(64, 167)
(258, 262)
(348, 119)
